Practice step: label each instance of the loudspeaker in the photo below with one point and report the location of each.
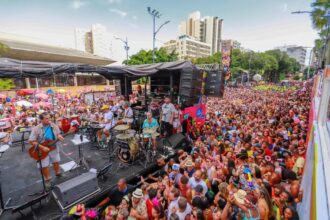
(75, 190)
(214, 85)
(190, 86)
(177, 141)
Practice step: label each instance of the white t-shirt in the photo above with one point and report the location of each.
(109, 117)
(167, 110)
(182, 215)
(192, 183)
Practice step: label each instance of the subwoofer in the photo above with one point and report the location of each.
(75, 190)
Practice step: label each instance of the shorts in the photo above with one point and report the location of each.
(128, 120)
(108, 127)
(53, 157)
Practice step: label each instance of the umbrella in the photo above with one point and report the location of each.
(257, 77)
(23, 92)
(50, 92)
(42, 96)
(45, 104)
(24, 103)
(2, 96)
(61, 90)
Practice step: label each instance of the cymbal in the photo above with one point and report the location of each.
(124, 136)
(121, 127)
(149, 131)
(3, 134)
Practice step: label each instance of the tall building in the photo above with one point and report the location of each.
(93, 41)
(188, 47)
(296, 52)
(230, 44)
(207, 29)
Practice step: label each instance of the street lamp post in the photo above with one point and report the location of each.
(155, 14)
(126, 47)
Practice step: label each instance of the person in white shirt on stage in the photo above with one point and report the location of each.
(108, 121)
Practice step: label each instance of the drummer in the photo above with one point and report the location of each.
(128, 115)
(151, 123)
(108, 121)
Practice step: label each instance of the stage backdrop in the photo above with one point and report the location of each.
(197, 112)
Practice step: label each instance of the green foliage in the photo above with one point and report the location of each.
(145, 57)
(6, 84)
(3, 48)
(272, 64)
(215, 58)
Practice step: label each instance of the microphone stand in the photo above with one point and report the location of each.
(42, 175)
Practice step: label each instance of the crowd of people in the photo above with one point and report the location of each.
(246, 162)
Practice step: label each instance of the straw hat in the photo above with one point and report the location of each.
(138, 193)
(189, 163)
(240, 196)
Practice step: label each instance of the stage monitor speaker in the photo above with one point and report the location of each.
(177, 141)
(75, 190)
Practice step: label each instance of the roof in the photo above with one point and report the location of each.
(10, 68)
(23, 49)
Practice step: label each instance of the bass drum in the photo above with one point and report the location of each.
(127, 151)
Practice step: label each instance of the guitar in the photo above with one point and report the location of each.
(41, 153)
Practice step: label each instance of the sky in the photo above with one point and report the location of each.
(258, 25)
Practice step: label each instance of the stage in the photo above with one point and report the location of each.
(20, 176)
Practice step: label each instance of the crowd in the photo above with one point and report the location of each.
(246, 162)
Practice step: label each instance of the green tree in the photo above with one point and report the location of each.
(213, 59)
(145, 57)
(7, 84)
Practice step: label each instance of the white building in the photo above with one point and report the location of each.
(93, 41)
(207, 29)
(296, 52)
(188, 47)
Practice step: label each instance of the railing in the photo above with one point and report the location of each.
(316, 178)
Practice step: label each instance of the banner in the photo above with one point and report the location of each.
(197, 112)
(226, 61)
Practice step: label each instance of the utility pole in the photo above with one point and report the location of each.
(155, 14)
(126, 47)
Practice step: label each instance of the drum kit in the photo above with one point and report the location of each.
(132, 146)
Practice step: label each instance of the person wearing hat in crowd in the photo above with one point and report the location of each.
(175, 175)
(139, 208)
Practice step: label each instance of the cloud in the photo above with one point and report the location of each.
(121, 13)
(76, 4)
(114, 1)
(285, 7)
(134, 17)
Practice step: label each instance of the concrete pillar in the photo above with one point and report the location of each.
(75, 81)
(107, 82)
(27, 82)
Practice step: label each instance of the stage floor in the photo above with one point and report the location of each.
(20, 176)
